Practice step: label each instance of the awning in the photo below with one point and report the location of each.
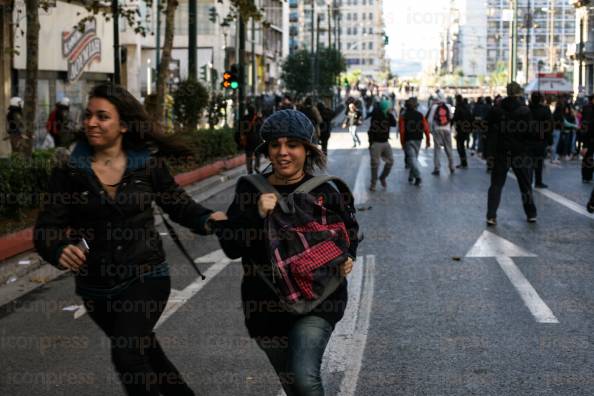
(550, 84)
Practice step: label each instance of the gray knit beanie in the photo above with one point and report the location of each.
(289, 124)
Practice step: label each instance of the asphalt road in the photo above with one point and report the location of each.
(424, 319)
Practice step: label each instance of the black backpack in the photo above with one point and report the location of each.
(307, 243)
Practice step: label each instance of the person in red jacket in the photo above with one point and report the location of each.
(58, 123)
(412, 126)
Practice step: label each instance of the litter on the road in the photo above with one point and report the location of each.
(363, 208)
(24, 262)
(163, 233)
(11, 279)
(71, 308)
(456, 258)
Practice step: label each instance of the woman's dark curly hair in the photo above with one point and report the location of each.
(142, 129)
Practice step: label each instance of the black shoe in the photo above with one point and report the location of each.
(541, 185)
(462, 166)
(492, 222)
(411, 179)
(383, 183)
(372, 188)
(418, 181)
(435, 172)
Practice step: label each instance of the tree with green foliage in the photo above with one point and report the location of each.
(296, 72)
(189, 101)
(331, 63)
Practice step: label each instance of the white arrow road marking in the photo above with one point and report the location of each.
(360, 191)
(344, 353)
(491, 245)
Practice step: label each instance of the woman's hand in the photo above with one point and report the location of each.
(72, 258)
(346, 267)
(218, 216)
(266, 204)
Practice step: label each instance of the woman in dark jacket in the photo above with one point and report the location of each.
(98, 223)
(293, 343)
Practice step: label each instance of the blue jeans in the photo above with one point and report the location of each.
(298, 361)
(556, 137)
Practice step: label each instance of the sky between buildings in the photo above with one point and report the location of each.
(414, 28)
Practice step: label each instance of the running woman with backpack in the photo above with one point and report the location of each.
(440, 120)
(293, 340)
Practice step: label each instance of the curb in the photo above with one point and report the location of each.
(22, 241)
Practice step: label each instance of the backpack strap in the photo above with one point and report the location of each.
(317, 181)
(262, 185)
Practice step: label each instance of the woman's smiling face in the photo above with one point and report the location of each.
(102, 123)
(287, 156)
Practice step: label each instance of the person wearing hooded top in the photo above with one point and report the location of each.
(412, 126)
(513, 141)
(440, 121)
(382, 119)
(15, 124)
(98, 223)
(293, 343)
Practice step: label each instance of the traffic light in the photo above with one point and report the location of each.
(212, 14)
(230, 79)
(204, 72)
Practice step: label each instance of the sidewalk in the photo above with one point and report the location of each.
(21, 274)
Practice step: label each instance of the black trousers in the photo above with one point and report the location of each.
(539, 152)
(128, 320)
(588, 165)
(522, 165)
(461, 139)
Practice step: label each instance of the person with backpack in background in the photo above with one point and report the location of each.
(58, 123)
(352, 119)
(512, 143)
(543, 122)
(326, 127)
(105, 232)
(249, 138)
(382, 119)
(587, 150)
(293, 340)
(412, 125)
(463, 122)
(440, 122)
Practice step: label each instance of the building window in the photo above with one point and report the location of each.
(370, 45)
(354, 2)
(363, 31)
(363, 16)
(364, 2)
(371, 16)
(348, 16)
(363, 46)
(354, 16)
(348, 31)
(370, 30)
(355, 30)
(370, 2)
